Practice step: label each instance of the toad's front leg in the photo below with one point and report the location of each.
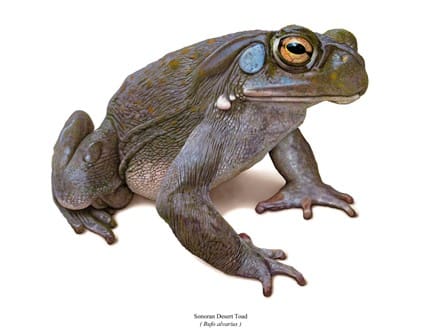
(304, 188)
(185, 204)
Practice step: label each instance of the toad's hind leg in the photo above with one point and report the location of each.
(85, 211)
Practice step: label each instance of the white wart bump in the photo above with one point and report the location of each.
(223, 103)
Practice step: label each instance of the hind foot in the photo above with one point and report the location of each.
(262, 264)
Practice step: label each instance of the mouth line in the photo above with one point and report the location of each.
(303, 99)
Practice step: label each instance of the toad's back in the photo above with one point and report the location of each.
(155, 110)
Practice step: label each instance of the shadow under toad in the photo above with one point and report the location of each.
(243, 191)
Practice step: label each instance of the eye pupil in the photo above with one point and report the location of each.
(296, 48)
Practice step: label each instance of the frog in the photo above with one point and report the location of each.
(198, 117)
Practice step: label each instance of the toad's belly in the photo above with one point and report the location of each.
(160, 144)
(147, 169)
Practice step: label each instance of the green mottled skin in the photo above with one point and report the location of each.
(196, 118)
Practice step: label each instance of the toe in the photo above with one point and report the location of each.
(266, 281)
(346, 197)
(260, 208)
(101, 216)
(97, 227)
(307, 208)
(334, 202)
(345, 207)
(245, 237)
(104, 217)
(350, 211)
(266, 253)
(343, 196)
(273, 253)
(274, 203)
(73, 220)
(77, 226)
(283, 269)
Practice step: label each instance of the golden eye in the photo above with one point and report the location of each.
(295, 50)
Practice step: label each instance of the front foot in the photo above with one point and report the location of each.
(261, 264)
(98, 221)
(306, 196)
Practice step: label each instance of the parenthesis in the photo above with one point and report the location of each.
(240, 324)
(201, 323)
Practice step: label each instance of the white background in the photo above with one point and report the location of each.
(380, 270)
